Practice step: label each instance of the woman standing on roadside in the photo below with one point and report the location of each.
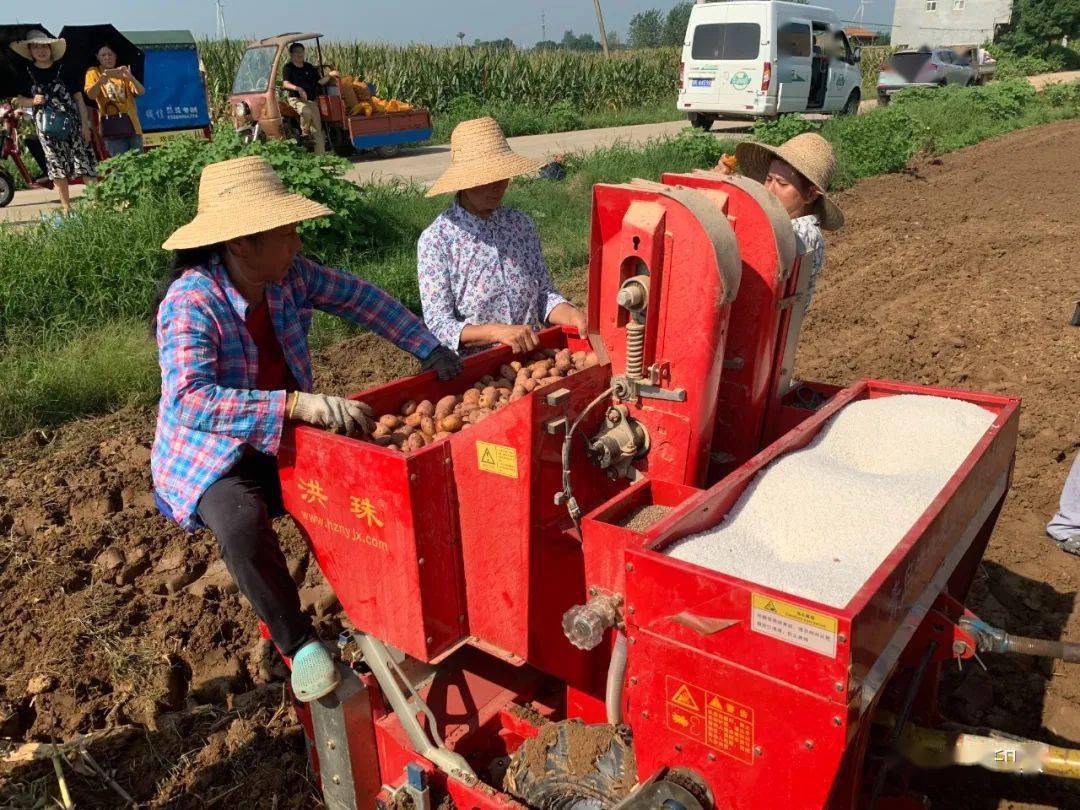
(798, 173)
(483, 279)
(114, 90)
(60, 115)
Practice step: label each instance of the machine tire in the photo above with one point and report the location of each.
(7, 188)
(388, 151)
(851, 106)
(543, 775)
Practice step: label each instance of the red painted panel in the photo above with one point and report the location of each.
(757, 742)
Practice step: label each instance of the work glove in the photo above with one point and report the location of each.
(336, 414)
(445, 361)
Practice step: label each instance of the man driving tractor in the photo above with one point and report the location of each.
(302, 81)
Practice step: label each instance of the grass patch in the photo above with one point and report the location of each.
(90, 370)
(934, 120)
(516, 119)
(80, 293)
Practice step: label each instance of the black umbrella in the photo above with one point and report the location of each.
(13, 76)
(84, 41)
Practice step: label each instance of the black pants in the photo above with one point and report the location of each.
(237, 509)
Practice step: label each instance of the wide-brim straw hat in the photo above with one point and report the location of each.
(34, 37)
(241, 197)
(479, 154)
(811, 156)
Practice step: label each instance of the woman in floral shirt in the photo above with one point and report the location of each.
(483, 279)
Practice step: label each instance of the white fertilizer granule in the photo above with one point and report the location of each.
(817, 522)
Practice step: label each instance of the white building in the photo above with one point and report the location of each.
(948, 22)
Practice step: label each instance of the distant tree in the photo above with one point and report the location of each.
(614, 41)
(584, 42)
(1039, 25)
(547, 45)
(505, 43)
(647, 29)
(676, 23)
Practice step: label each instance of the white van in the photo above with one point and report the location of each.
(759, 59)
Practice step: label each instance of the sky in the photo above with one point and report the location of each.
(397, 21)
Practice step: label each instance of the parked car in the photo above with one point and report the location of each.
(760, 59)
(924, 67)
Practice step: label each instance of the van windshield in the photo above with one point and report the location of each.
(734, 41)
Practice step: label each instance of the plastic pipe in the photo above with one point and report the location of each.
(994, 639)
(929, 748)
(379, 661)
(616, 674)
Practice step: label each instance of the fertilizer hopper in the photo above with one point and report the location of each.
(543, 615)
(759, 685)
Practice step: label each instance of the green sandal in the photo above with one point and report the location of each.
(314, 673)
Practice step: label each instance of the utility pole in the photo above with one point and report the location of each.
(600, 22)
(221, 31)
(543, 27)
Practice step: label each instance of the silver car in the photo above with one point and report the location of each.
(924, 67)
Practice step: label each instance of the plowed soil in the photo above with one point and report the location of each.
(959, 272)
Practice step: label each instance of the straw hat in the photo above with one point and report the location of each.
(810, 155)
(479, 154)
(241, 197)
(35, 37)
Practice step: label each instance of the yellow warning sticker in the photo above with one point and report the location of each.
(682, 697)
(711, 719)
(497, 458)
(793, 624)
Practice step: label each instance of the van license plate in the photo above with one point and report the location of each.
(701, 82)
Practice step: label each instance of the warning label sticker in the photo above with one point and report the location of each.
(497, 458)
(795, 625)
(710, 719)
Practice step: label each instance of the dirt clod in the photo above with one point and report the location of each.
(40, 684)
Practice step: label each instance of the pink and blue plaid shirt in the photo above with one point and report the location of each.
(209, 409)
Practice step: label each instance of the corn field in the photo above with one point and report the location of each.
(433, 77)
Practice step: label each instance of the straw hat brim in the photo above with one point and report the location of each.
(211, 228)
(754, 160)
(481, 171)
(58, 46)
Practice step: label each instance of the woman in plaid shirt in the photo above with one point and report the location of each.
(235, 366)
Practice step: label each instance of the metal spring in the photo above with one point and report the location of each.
(635, 349)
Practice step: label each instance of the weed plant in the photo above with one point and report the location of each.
(74, 299)
(930, 120)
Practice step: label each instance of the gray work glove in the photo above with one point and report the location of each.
(445, 361)
(336, 414)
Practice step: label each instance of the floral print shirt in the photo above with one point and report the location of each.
(474, 271)
(811, 244)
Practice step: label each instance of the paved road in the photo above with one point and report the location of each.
(426, 164)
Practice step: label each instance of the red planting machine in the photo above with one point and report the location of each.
(520, 643)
